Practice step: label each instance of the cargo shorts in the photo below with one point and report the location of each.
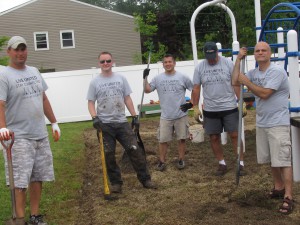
(32, 161)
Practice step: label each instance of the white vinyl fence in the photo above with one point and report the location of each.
(67, 90)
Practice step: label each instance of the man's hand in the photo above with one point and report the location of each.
(197, 114)
(135, 124)
(243, 79)
(4, 134)
(97, 123)
(146, 73)
(185, 107)
(242, 53)
(55, 131)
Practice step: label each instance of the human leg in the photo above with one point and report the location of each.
(215, 143)
(163, 148)
(127, 139)
(109, 142)
(181, 127)
(35, 193)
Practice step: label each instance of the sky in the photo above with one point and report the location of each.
(7, 4)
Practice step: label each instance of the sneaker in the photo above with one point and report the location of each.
(222, 169)
(161, 166)
(242, 171)
(36, 220)
(149, 185)
(180, 164)
(116, 188)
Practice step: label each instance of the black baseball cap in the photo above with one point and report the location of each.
(210, 50)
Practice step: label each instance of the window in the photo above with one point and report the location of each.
(67, 39)
(41, 41)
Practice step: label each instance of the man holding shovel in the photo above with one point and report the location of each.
(23, 107)
(269, 83)
(171, 87)
(111, 91)
(220, 107)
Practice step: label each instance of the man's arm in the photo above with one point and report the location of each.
(2, 114)
(147, 86)
(196, 94)
(48, 109)
(263, 93)
(236, 68)
(91, 108)
(129, 104)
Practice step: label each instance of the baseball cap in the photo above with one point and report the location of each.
(15, 41)
(210, 50)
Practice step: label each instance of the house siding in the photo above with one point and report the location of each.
(95, 30)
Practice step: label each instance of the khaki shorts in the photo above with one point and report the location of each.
(168, 128)
(274, 145)
(32, 161)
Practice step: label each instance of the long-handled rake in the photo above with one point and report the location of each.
(8, 148)
(107, 194)
(240, 127)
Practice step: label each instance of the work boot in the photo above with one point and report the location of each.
(116, 188)
(36, 220)
(149, 185)
(222, 169)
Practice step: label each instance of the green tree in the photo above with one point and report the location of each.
(3, 60)
(147, 26)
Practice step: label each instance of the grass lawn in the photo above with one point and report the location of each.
(59, 197)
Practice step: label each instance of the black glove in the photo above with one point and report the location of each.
(146, 73)
(135, 124)
(186, 106)
(97, 124)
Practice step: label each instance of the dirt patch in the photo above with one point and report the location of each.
(191, 196)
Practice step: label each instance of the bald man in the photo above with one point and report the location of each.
(269, 83)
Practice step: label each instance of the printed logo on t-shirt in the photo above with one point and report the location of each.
(169, 86)
(215, 76)
(31, 86)
(258, 81)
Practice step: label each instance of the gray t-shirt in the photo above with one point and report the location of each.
(272, 111)
(109, 92)
(22, 90)
(171, 92)
(218, 93)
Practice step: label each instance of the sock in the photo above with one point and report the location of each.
(222, 162)
(242, 163)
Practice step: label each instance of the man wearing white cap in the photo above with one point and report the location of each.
(23, 105)
(220, 108)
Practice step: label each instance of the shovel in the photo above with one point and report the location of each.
(240, 127)
(8, 148)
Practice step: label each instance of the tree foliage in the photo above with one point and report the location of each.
(3, 60)
(173, 18)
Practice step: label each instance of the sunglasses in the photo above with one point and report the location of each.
(103, 61)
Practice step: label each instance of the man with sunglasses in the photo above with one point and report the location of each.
(23, 107)
(112, 92)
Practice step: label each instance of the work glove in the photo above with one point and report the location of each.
(146, 73)
(185, 107)
(197, 114)
(4, 134)
(135, 124)
(97, 123)
(55, 131)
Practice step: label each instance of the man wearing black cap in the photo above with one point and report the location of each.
(219, 107)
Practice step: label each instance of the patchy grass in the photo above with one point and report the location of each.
(187, 197)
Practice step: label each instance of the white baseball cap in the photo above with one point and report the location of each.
(15, 41)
